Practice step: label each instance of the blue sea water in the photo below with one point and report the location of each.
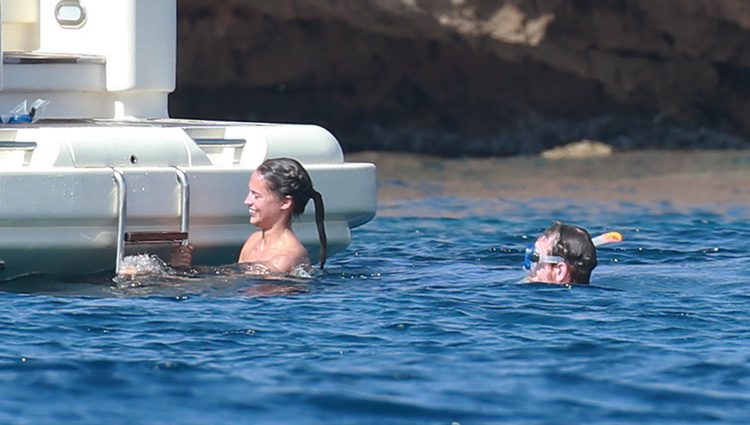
(420, 321)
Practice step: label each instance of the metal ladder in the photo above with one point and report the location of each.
(132, 238)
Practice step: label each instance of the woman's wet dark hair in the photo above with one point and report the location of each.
(574, 244)
(287, 177)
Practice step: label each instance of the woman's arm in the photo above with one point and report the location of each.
(182, 256)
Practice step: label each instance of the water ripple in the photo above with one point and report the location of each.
(421, 320)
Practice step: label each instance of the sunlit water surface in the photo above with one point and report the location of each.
(420, 321)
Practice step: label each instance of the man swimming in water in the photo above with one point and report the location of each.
(563, 254)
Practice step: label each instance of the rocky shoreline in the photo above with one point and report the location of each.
(473, 77)
(713, 180)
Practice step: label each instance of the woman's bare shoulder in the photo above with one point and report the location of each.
(248, 246)
(288, 261)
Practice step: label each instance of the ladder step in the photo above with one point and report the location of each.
(126, 238)
(155, 237)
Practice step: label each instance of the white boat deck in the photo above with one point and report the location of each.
(105, 166)
(28, 58)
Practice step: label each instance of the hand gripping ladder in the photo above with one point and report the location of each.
(128, 238)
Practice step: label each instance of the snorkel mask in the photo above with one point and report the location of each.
(532, 258)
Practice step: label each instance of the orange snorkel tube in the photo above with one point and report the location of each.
(607, 238)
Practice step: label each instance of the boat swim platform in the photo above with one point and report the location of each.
(106, 173)
(76, 195)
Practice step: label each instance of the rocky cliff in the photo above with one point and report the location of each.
(473, 77)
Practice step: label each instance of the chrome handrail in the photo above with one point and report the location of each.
(220, 143)
(17, 146)
(122, 208)
(182, 178)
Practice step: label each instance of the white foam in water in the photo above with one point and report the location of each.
(304, 271)
(143, 264)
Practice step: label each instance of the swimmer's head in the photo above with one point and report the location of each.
(562, 254)
(287, 178)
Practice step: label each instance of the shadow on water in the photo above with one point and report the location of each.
(222, 281)
(477, 252)
(567, 286)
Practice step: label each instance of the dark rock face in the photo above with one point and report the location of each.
(473, 77)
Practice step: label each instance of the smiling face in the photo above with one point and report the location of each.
(265, 207)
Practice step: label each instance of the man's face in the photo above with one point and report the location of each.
(546, 272)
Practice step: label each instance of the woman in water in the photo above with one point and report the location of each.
(279, 189)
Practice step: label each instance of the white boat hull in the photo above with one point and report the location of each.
(59, 208)
(105, 162)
